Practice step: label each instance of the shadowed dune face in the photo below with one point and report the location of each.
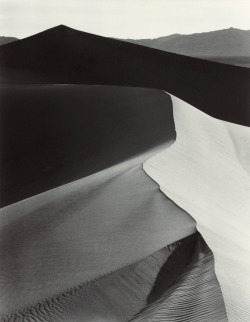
(51, 135)
(113, 216)
(64, 55)
(194, 295)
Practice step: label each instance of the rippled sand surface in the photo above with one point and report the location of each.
(176, 283)
(206, 173)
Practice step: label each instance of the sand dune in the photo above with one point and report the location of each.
(151, 289)
(76, 232)
(71, 234)
(52, 135)
(195, 294)
(64, 238)
(63, 55)
(205, 173)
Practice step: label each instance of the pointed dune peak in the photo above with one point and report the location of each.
(56, 30)
(55, 33)
(62, 55)
(63, 28)
(60, 28)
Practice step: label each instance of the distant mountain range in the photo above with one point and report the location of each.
(62, 55)
(230, 46)
(6, 40)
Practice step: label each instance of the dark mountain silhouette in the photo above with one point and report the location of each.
(6, 40)
(63, 55)
(228, 45)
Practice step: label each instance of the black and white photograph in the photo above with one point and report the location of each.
(124, 161)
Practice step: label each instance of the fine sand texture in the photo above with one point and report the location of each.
(113, 216)
(62, 55)
(74, 233)
(54, 134)
(194, 295)
(154, 289)
(206, 173)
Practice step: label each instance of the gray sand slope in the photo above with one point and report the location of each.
(77, 232)
(158, 288)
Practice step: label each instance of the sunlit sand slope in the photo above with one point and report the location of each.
(205, 173)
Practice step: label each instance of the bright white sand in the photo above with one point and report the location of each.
(205, 173)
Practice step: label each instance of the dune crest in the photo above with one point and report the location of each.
(204, 173)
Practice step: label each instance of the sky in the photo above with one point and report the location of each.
(123, 18)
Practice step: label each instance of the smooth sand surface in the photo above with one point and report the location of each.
(205, 173)
(55, 134)
(87, 228)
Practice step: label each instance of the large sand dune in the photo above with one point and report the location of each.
(205, 173)
(111, 217)
(63, 55)
(52, 135)
(58, 232)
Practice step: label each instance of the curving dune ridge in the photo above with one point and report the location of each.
(60, 235)
(204, 172)
(113, 216)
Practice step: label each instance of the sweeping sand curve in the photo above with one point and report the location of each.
(77, 232)
(204, 172)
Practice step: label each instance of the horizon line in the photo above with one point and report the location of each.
(157, 37)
